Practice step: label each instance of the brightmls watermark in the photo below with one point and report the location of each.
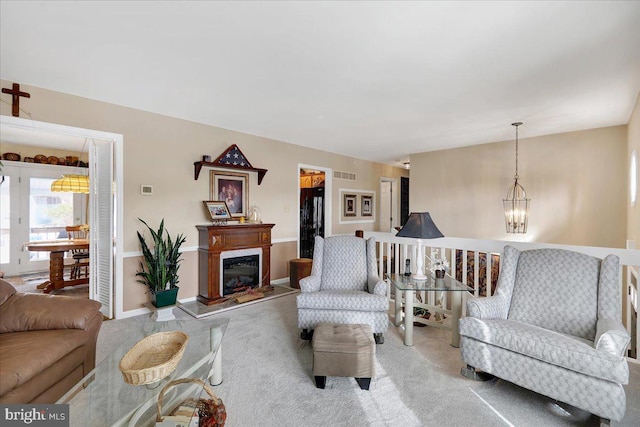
(34, 415)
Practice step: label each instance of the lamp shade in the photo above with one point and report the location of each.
(71, 184)
(420, 226)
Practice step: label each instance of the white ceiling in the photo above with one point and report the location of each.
(372, 80)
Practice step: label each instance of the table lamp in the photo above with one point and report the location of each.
(419, 226)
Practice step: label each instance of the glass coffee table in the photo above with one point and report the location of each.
(102, 398)
(407, 287)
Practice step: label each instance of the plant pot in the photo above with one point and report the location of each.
(439, 274)
(165, 298)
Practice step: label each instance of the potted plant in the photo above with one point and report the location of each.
(159, 272)
(439, 266)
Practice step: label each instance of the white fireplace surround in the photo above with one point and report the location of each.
(239, 253)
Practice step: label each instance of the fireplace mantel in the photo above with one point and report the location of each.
(215, 239)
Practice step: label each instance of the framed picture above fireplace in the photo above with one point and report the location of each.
(217, 210)
(231, 188)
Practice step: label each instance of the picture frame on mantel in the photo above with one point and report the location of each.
(217, 210)
(231, 188)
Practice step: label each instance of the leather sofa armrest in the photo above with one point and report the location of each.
(310, 284)
(376, 286)
(93, 329)
(487, 307)
(30, 312)
(611, 337)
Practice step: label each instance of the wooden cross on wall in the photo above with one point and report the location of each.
(15, 95)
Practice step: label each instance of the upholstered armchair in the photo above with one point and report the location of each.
(344, 287)
(554, 327)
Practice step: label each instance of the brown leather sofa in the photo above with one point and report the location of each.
(47, 344)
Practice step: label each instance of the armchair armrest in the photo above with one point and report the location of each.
(30, 312)
(310, 284)
(611, 337)
(487, 307)
(376, 286)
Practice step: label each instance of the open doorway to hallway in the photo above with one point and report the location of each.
(312, 209)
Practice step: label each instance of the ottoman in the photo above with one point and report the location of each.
(343, 351)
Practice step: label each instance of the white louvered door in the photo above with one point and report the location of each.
(102, 227)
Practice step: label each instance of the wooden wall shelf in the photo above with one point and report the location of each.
(199, 165)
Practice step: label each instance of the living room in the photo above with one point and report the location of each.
(577, 178)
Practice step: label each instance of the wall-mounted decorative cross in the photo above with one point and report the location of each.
(16, 94)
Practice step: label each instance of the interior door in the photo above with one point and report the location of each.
(102, 233)
(385, 206)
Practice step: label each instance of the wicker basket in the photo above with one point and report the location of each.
(212, 412)
(153, 358)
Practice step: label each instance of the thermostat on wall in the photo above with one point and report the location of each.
(146, 190)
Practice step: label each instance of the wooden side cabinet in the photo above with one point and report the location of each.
(216, 239)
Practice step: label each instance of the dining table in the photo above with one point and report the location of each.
(56, 251)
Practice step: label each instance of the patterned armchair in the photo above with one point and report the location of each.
(344, 287)
(553, 327)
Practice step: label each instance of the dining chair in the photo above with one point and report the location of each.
(80, 266)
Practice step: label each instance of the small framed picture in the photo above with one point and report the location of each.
(349, 207)
(367, 205)
(217, 210)
(233, 189)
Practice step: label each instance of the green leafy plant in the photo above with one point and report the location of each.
(162, 261)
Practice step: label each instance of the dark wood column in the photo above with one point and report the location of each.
(215, 239)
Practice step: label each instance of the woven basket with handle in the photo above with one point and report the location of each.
(212, 412)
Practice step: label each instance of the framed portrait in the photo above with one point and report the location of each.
(231, 188)
(216, 210)
(349, 205)
(367, 205)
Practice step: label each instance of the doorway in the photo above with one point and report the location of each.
(388, 204)
(312, 197)
(105, 199)
(30, 211)
(314, 206)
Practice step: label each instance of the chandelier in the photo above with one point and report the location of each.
(516, 205)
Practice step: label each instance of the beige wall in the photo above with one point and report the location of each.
(575, 180)
(160, 151)
(633, 215)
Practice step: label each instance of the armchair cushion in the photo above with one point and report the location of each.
(344, 266)
(558, 290)
(569, 352)
(343, 300)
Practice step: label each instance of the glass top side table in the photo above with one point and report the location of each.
(406, 289)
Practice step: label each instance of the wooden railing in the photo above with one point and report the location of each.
(394, 251)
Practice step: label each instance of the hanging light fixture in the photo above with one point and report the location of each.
(516, 205)
(71, 184)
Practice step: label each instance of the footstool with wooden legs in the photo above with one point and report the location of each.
(343, 351)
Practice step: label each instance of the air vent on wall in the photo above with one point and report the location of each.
(344, 175)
